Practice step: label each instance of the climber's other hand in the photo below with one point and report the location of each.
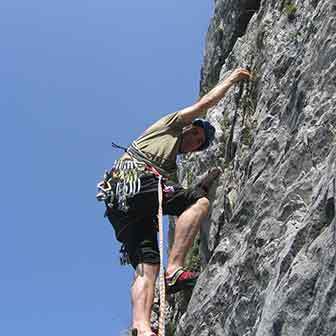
(216, 171)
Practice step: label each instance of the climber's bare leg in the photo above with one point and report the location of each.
(186, 228)
(142, 293)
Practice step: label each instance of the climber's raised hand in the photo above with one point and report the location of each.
(189, 113)
(239, 74)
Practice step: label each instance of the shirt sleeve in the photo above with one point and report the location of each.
(170, 121)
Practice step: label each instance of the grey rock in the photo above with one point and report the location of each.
(268, 249)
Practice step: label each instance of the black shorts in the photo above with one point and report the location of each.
(137, 228)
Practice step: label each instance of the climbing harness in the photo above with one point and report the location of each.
(122, 182)
(162, 271)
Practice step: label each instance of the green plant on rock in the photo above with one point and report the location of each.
(248, 101)
(290, 10)
(189, 178)
(170, 328)
(193, 260)
(295, 35)
(246, 136)
(221, 147)
(248, 104)
(333, 131)
(224, 122)
(220, 26)
(225, 126)
(226, 165)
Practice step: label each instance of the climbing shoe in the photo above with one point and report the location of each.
(134, 332)
(180, 280)
(207, 182)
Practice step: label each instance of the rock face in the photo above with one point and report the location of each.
(268, 249)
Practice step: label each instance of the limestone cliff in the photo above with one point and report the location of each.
(267, 251)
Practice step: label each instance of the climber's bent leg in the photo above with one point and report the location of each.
(186, 228)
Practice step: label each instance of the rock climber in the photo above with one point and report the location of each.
(130, 192)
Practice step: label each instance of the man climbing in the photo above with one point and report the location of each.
(130, 192)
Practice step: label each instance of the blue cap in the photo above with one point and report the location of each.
(209, 131)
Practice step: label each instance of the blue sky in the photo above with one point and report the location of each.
(75, 76)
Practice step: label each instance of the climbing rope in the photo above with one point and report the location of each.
(162, 273)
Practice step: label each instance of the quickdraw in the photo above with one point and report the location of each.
(105, 189)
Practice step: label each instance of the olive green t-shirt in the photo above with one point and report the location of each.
(160, 143)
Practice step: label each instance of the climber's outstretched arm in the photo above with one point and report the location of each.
(213, 97)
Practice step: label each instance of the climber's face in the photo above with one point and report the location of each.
(193, 137)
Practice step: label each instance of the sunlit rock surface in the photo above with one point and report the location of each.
(268, 250)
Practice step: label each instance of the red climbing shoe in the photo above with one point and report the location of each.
(180, 280)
